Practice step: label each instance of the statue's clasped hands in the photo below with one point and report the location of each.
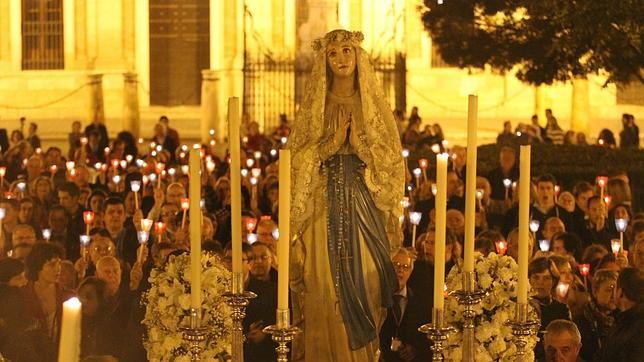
(345, 120)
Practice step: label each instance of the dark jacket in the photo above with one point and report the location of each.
(594, 327)
(415, 315)
(261, 309)
(21, 338)
(496, 177)
(626, 340)
(549, 310)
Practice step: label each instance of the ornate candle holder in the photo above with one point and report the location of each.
(437, 333)
(469, 297)
(282, 333)
(238, 299)
(194, 335)
(522, 328)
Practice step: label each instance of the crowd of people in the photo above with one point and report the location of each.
(45, 256)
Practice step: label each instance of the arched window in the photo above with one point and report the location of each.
(42, 34)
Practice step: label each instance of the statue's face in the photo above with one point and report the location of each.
(341, 57)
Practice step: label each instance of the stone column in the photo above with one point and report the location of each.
(210, 106)
(69, 34)
(580, 106)
(131, 115)
(95, 101)
(540, 104)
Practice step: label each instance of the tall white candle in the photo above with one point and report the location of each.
(195, 229)
(284, 228)
(524, 223)
(439, 245)
(70, 332)
(235, 182)
(470, 186)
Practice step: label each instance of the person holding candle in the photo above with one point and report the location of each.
(344, 142)
(121, 229)
(543, 208)
(100, 245)
(173, 195)
(596, 229)
(507, 169)
(576, 296)
(119, 299)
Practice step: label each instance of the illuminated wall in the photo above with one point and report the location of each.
(113, 37)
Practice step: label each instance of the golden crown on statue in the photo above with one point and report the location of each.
(353, 37)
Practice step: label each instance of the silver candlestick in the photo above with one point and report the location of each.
(469, 297)
(522, 328)
(282, 333)
(194, 335)
(238, 300)
(437, 333)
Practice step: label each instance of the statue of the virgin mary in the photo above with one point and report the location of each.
(348, 181)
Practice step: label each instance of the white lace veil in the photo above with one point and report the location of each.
(385, 173)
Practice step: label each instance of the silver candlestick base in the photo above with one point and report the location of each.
(469, 297)
(282, 333)
(437, 333)
(194, 335)
(522, 328)
(238, 300)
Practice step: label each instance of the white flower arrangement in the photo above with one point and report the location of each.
(493, 338)
(168, 309)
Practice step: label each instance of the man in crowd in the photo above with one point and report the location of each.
(124, 234)
(544, 206)
(68, 194)
(626, 341)
(562, 341)
(582, 191)
(596, 229)
(507, 170)
(119, 299)
(552, 226)
(261, 310)
(172, 133)
(58, 221)
(22, 240)
(400, 339)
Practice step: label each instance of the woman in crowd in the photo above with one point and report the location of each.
(92, 294)
(544, 278)
(421, 279)
(43, 295)
(570, 290)
(597, 318)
